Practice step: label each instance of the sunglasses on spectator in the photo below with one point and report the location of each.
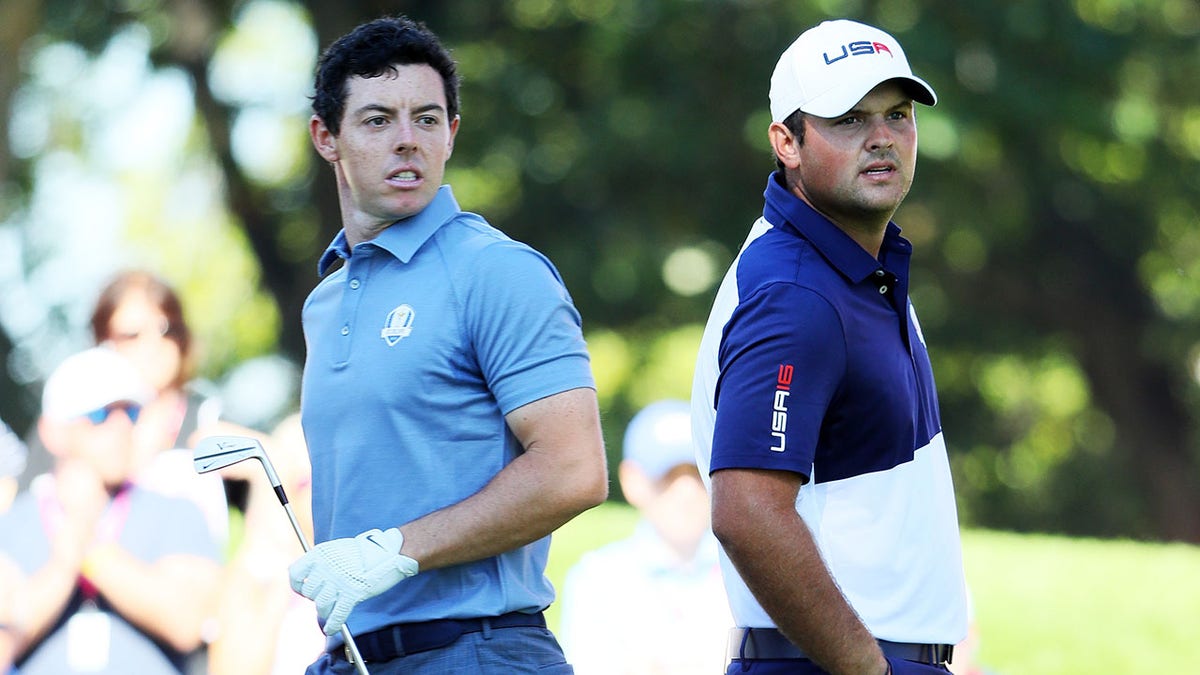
(100, 415)
(161, 329)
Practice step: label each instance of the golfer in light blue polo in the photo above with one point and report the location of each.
(448, 402)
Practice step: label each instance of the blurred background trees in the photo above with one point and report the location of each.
(1056, 211)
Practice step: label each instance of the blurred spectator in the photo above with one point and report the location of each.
(11, 579)
(115, 578)
(12, 463)
(140, 316)
(265, 628)
(652, 603)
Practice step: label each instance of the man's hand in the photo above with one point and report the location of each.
(340, 573)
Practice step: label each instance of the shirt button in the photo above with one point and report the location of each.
(879, 273)
(345, 330)
(354, 284)
(883, 289)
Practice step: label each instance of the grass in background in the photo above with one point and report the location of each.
(1058, 606)
(1044, 605)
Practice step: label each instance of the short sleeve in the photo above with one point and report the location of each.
(782, 356)
(523, 325)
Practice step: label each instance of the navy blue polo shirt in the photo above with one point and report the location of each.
(813, 362)
(824, 370)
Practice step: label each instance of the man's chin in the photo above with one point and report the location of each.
(409, 206)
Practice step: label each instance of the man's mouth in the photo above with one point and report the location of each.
(406, 176)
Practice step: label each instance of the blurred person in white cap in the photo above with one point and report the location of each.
(651, 603)
(814, 408)
(112, 578)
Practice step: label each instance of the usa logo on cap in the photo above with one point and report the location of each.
(860, 48)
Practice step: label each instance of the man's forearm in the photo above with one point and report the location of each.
(529, 499)
(38, 602)
(806, 604)
(775, 554)
(169, 599)
(561, 473)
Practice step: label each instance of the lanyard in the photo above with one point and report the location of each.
(112, 521)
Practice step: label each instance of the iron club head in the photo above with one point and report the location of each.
(217, 452)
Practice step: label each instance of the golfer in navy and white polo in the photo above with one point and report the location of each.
(814, 407)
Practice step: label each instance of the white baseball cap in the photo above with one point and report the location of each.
(91, 380)
(659, 438)
(831, 66)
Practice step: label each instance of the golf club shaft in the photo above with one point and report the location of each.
(346, 636)
(217, 452)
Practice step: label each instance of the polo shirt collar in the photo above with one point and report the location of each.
(784, 209)
(402, 238)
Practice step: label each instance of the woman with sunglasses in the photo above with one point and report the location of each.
(140, 316)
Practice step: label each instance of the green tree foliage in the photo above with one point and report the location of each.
(1054, 212)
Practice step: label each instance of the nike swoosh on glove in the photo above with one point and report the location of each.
(340, 573)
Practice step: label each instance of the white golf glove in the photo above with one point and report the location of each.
(340, 573)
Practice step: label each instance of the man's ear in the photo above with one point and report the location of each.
(323, 139)
(53, 435)
(453, 134)
(785, 145)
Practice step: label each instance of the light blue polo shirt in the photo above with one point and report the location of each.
(813, 362)
(418, 346)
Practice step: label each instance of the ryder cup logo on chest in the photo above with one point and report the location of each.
(397, 325)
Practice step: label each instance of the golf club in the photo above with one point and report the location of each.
(217, 452)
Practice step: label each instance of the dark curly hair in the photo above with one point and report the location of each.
(375, 48)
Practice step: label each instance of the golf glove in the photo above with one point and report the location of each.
(340, 573)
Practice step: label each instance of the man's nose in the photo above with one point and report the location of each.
(405, 138)
(880, 136)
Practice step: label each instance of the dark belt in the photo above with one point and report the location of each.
(768, 643)
(403, 639)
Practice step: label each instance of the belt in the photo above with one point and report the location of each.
(769, 643)
(402, 639)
